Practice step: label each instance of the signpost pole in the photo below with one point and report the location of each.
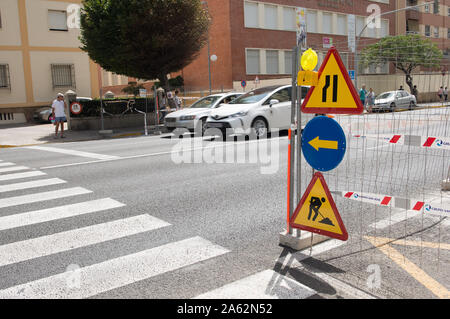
(294, 109)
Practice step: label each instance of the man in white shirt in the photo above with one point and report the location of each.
(59, 114)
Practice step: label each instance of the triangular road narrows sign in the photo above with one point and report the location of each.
(335, 92)
(317, 211)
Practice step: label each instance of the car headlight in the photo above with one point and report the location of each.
(188, 118)
(240, 114)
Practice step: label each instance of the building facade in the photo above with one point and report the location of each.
(40, 56)
(253, 39)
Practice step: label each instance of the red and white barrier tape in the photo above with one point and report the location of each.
(442, 143)
(427, 207)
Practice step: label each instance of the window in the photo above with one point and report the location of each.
(427, 8)
(384, 28)
(327, 23)
(271, 17)
(283, 95)
(63, 75)
(288, 62)
(251, 15)
(311, 24)
(272, 62)
(253, 61)
(289, 19)
(4, 77)
(448, 12)
(436, 32)
(57, 20)
(341, 24)
(427, 31)
(360, 23)
(448, 33)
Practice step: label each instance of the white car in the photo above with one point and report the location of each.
(197, 114)
(258, 112)
(390, 101)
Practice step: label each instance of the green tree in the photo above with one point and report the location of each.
(405, 52)
(143, 39)
(133, 88)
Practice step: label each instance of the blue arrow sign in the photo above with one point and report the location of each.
(323, 143)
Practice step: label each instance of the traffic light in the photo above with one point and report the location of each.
(436, 7)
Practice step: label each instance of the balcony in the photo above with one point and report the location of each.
(413, 15)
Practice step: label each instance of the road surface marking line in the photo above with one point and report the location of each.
(118, 272)
(432, 285)
(73, 239)
(10, 177)
(149, 155)
(73, 152)
(57, 213)
(33, 184)
(412, 243)
(6, 164)
(13, 169)
(267, 284)
(41, 197)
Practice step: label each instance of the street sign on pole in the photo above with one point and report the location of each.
(244, 84)
(317, 211)
(335, 93)
(323, 143)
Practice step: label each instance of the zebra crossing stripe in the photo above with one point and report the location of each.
(10, 177)
(264, 285)
(57, 213)
(73, 239)
(33, 184)
(40, 197)
(116, 273)
(13, 169)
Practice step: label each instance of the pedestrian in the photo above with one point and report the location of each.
(177, 100)
(401, 88)
(58, 113)
(362, 95)
(441, 93)
(370, 100)
(445, 94)
(415, 92)
(162, 106)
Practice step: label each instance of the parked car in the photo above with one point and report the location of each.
(44, 113)
(390, 101)
(198, 113)
(258, 111)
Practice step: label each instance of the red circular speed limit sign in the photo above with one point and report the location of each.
(76, 108)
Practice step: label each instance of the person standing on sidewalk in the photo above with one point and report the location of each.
(58, 113)
(446, 94)
(177, 100)
(370, 100)
(441, 94)
(362, 95)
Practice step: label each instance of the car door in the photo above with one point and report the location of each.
(279, 115)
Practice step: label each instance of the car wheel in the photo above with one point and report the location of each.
(260, 127)
(392, 107)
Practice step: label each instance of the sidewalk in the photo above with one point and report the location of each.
(33, 134)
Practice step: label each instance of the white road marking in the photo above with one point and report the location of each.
(73, 152)
(73, 239)
(119, 272)
(56, 213)
(41, 197)
(10, 177)
(6, 164)
(264, 285)
(13, 169)
(33, 184)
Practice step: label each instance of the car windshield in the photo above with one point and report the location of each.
(253, 96)
(205, 103)
(384, 96)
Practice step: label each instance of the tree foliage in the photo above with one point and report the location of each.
(405, 52)
(133, 88)
(143, 39)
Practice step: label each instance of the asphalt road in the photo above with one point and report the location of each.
(129, 218)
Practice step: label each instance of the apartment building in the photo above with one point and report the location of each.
(254, 38)
(40, 56)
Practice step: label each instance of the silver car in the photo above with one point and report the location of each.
(198, 113)
(394, 100)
